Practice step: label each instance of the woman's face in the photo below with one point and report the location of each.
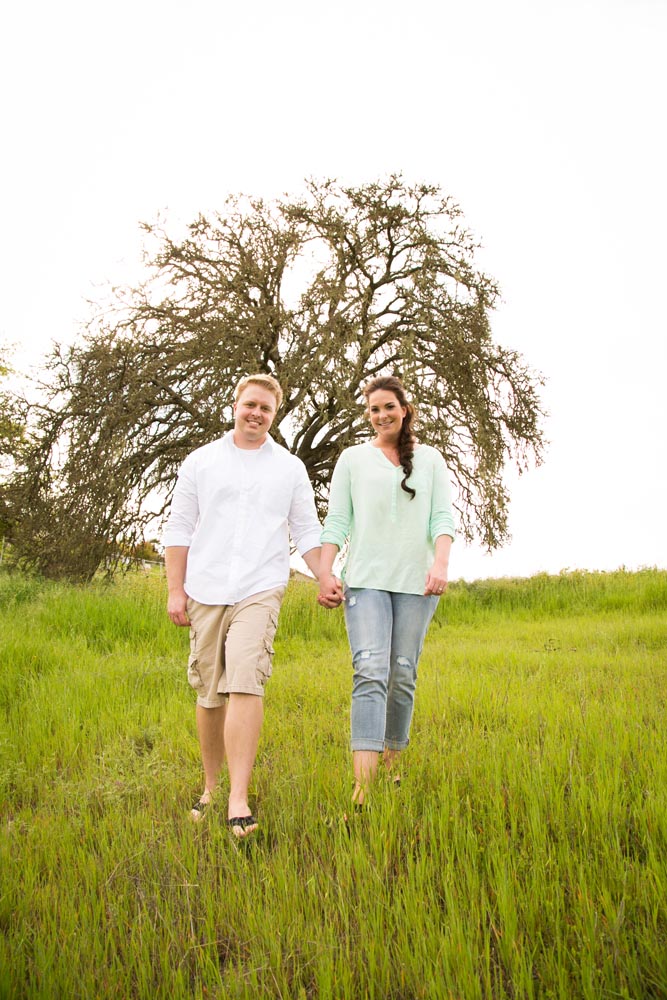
(386, 415)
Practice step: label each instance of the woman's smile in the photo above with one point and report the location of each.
(386, 414)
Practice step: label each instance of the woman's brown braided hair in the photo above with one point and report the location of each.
(406, 439)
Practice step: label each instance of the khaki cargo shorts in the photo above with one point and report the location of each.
(231, 646)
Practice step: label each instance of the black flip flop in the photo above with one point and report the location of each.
(241, 824)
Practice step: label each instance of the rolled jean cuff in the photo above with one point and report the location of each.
(395, 744)
(362, 744)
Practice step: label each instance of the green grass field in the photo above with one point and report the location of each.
(525, 854)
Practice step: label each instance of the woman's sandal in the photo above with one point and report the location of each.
(241, 826)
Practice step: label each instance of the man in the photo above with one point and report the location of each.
(227, 561)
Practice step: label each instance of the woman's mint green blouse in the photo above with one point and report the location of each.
(391, 536)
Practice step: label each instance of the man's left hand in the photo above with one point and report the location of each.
(331, 592)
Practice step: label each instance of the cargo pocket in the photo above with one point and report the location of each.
(194, 677)
(265, 661)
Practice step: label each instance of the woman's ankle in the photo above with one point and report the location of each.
(358, 794)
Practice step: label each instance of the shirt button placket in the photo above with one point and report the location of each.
(236, 554)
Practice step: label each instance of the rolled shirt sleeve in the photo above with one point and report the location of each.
(184, 512)
(338, 522)
(442, 517)
(304, 526)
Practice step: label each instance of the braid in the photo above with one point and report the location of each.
(406, 439)
(406, 450)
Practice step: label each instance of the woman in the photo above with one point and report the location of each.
(391, 497)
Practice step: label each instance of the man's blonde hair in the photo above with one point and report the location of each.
(267, 382)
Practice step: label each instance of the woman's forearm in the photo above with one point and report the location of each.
(327, 558)
(443, 546)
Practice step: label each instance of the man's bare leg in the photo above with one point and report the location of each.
(243, 724)
(211, 729)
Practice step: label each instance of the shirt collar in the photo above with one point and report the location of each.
(268, 446)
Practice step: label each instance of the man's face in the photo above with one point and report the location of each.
(253, 416)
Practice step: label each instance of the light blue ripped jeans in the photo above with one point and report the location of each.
(386, 633)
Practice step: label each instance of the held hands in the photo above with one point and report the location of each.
(331, 591)
(436, 579)
(177, 607)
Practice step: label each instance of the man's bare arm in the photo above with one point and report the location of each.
(175, 562)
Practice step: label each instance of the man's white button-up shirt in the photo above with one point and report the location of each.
(235, 509)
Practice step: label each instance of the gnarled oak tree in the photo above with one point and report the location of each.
(323, 291)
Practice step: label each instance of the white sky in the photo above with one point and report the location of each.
(546, 121)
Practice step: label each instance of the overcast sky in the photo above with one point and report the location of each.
(545, 121)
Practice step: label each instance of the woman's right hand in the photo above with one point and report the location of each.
(331, 591)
